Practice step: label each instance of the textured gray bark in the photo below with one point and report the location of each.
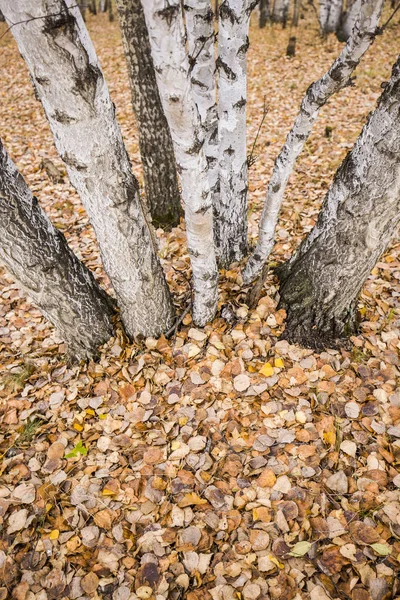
(70, 84)
(156, 148)
(264, 13)
(39, 258)
(321, 283)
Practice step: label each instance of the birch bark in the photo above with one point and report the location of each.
(231, 210)
(201, 44)
(155, 142)
(39, 258)
(70, 84)
(317, 95)
(330, 15)
(348, 21)
(167, 38)
(321, 283)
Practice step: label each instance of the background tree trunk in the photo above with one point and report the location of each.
(348, 21)
(93, 7)
(280, 12)
(321, 283)
(82, 7)
(38, 256)
(231, 211)
(155, 142)
(296, 13)
(316, 96)
(330, 15)
(110, 10)
(70, 84)
(264, 13)
(167, 38)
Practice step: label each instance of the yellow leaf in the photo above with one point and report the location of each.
(108, 492)
(275, 561)
(102, 417)
(191, 499)
(54, 534)
(175, 445)
(77, 427)
(267, 370)
(279, 363)
(90, 411)
(48, 507)
(330, 438)
(183, 421)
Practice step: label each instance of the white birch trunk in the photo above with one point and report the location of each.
(317, 95)
(323, 14)
(335, 13)
(70, 84)
(199, 19)
(167, 40)
(361, 211)
(330, 15)
(231, 211)
(38, 256)
(348, 21)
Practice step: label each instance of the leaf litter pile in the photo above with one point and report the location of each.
(222, 463)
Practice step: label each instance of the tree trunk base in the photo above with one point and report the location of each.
(309, 322)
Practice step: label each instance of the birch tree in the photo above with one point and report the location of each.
(155, 142)
(168, 44)
(348, 21)
(317, 95)
(199, 19)
(68, 80)
(39, 258)
(231, 205)
(361, 211)
(330, 15)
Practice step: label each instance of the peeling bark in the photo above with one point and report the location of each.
(201, 37)
(231, 211)
(70, 84)
(321, 283)
(155, 142)
(316, 96)
(39, 258)
(167, 38)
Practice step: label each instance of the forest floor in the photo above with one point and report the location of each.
(223, 463)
